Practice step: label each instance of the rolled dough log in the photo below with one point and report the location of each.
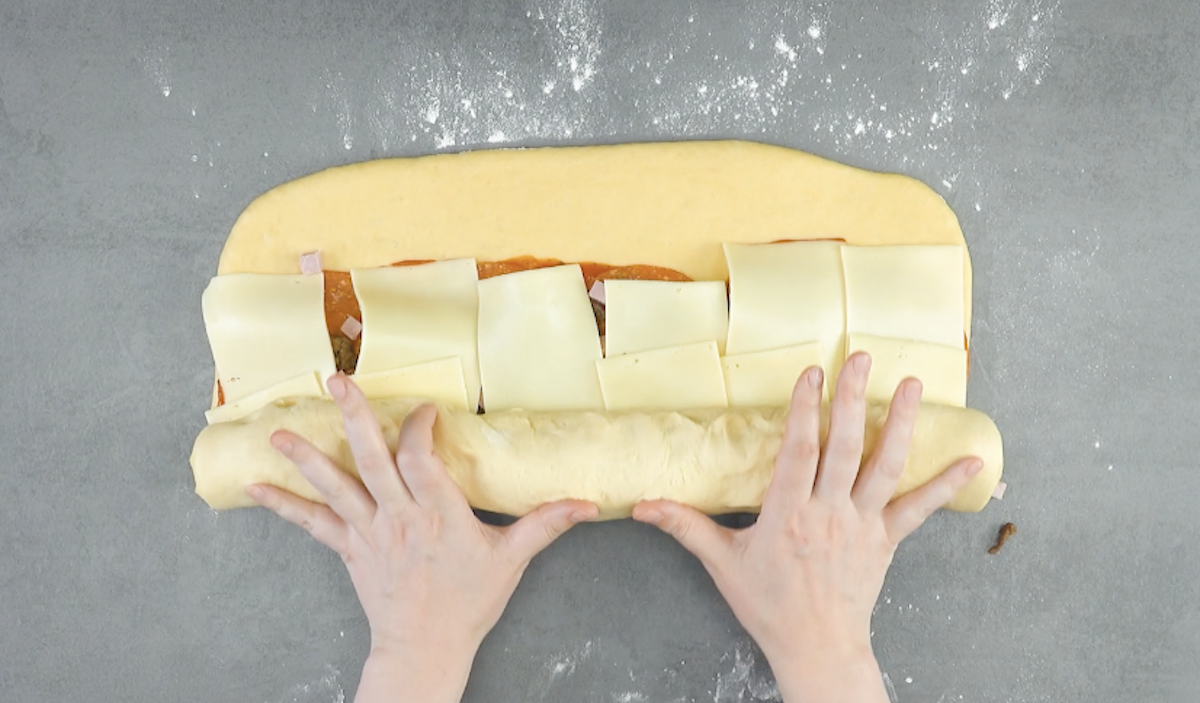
(510, 462)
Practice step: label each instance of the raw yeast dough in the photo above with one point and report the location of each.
(672, 205)
(511, 461)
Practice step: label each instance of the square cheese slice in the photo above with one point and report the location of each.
(787, 294)
(266, 329)
(942, 369)
(644, 315)
(677, 378)
(305, 385)
(767, 378)
(905, 292)
(440, 381)
(538, 341)
(418, 314)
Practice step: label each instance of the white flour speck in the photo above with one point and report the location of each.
(156, 62)
(784, 49)
(743, 678)
(326, 689)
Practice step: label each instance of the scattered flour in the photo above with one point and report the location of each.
(326, 689)
(745, 677)
(156, 63)
(558, 668)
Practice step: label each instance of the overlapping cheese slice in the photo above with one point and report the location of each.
(440, 381)
(645, 315)
(785, 297)
(266, 330)
(304, 385)
(905, 308)
(415, 315)
(766, 378)
(538, 342)
(942, 369)
(675, 378)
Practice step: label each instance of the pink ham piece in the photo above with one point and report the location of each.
(597, 292)
(1001, 487)
(351, 328)
(311, 263)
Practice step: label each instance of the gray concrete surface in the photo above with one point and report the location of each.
(1063, 133)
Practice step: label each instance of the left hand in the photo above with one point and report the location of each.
(433, 580)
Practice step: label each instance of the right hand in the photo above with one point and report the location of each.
(805, 577)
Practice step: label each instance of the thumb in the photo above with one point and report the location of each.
(698, 534)
(537, 530)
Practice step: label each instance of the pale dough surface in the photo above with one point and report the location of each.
(666, 204)
(512, 461)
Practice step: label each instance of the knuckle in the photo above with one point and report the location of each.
(679, 529)
(408, 456)
(309, 523)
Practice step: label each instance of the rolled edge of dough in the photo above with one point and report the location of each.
(510, 462)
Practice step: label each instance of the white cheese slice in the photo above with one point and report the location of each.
(905, 292)
(441, 381)
(644, 315)
(677, 378)
(304, 385)
(786, 294)
(417, 314)
(942, 369)
(265, 330)
(538, 342)
(767, 378)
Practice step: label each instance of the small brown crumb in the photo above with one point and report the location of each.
(1006, 530)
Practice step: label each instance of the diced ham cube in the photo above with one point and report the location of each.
(351, 327)
(311, 263)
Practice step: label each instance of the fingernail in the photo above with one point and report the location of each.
(913, 391)
(862, 362)
(816, 376)
(582, 516)
(652, 515)
(337, 386)
(974, 467)
(256, 492)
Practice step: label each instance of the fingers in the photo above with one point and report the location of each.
(371, 454)
(319, 520)
(422, 471)
(698, 534)
(911, 510)
(537, 530)
(345, 496)
(844, 446)
(877, 481)
(796, 463)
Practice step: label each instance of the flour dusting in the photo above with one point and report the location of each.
(744, 676)
(156, 63)
(326, 689)
(558, 669)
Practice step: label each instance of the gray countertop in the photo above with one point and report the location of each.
(1064, 134)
